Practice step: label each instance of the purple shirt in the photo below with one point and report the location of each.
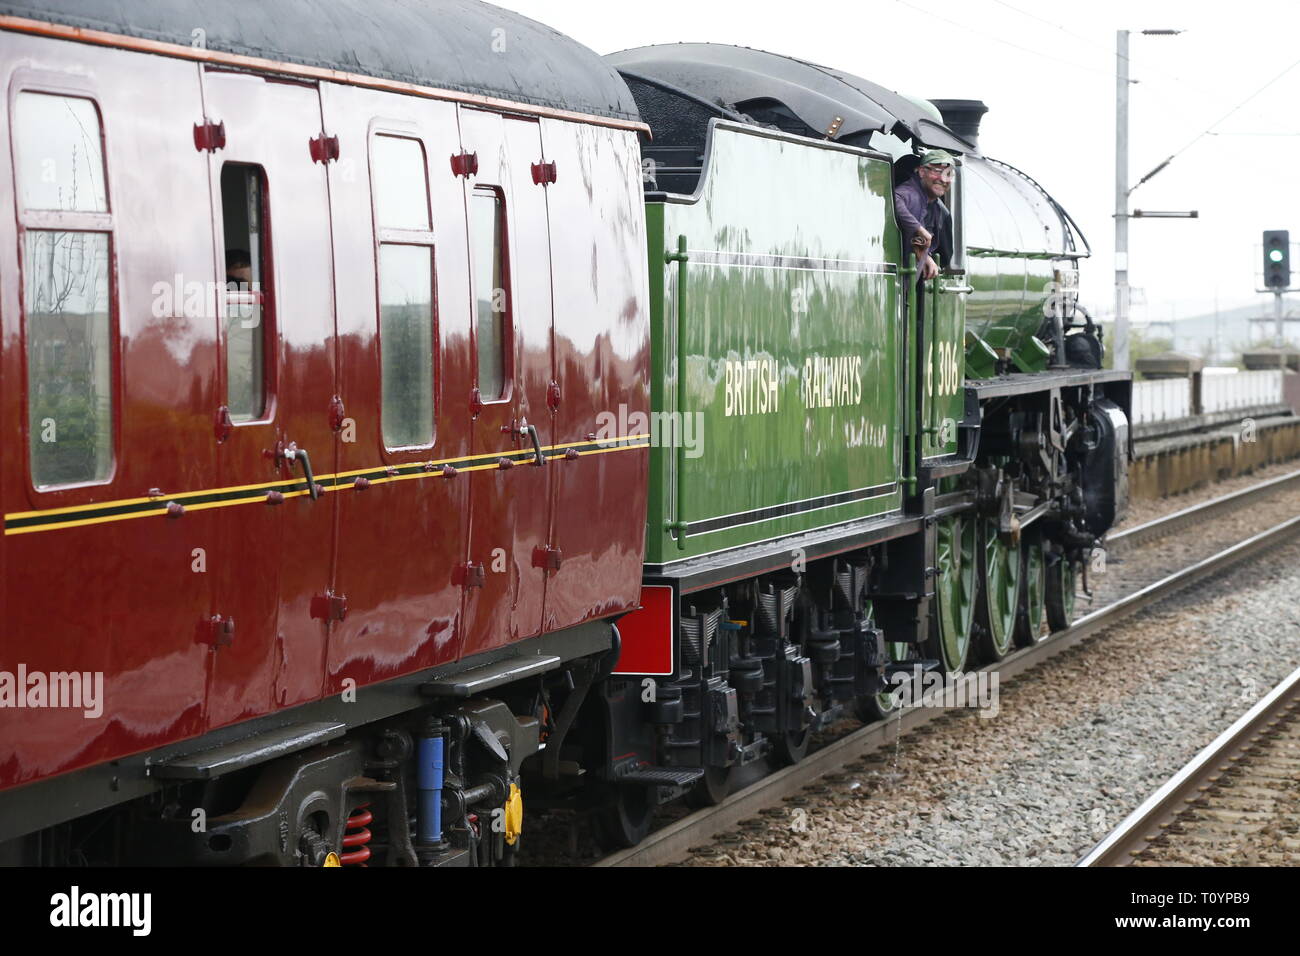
(914, 209)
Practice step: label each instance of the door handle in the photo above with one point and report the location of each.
(521, 428)
(538, 458)
(294, 453)
(956, 289)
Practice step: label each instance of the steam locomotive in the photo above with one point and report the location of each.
(407, 410)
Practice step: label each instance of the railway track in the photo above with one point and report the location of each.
(1191, 516)
(1236, 802)
(673, 841)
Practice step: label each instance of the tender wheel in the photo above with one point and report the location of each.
(791, 747)
(712, 789)
(1033, 592)
(999, 571)
(1059, 592)
(952, 624)
(625, 820)
(877, 707)
(880, 706)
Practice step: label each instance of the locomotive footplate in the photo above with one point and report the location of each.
(663, 776)
(1019, 383)
(663, 784)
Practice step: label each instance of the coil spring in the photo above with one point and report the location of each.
(356, 836)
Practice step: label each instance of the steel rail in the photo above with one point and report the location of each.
(1160, 809)
(669, 844)
(1195, 513)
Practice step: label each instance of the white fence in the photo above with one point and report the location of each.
(1161, 400)
(1168, 399)
(1221, 393)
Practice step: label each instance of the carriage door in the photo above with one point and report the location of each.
(510, 272)
(945, 338)
(272, 222)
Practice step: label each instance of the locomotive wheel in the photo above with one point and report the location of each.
(1059, 596)
(999, 570)
(712, 789)
(625, 820)
(952, 625)
(1033, 588)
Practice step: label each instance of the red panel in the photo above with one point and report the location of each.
(602, 360)
(273, 559)
(647, 633)
(121, 599)
(510, 508)
(398, 540)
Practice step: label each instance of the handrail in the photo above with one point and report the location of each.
(911, 391)
(932, 344)
(983, 252)
(681, 257)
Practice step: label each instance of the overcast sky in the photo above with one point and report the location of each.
(1046, 69)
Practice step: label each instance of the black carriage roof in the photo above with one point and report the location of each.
(735, 76)
(460, 45)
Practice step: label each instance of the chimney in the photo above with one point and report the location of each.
(962, 117)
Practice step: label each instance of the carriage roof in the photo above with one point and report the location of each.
(459, 45)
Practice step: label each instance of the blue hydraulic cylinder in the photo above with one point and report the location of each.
(429, 759)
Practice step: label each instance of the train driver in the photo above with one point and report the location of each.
(919, 211)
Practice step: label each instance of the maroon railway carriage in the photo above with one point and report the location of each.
(307, 313)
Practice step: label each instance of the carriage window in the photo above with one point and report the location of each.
(406, 312)
(67, 268)
(69, 356)
(401, 190)
(406, 343)
(491, 291)
(61, 155)
(247, 300)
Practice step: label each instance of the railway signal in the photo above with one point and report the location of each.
(1277, 275)
(1277, 259)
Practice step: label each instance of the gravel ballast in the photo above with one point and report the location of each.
(1076, 745)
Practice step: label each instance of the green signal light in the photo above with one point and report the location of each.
(1275, 255)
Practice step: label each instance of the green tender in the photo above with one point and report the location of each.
(792, 347)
